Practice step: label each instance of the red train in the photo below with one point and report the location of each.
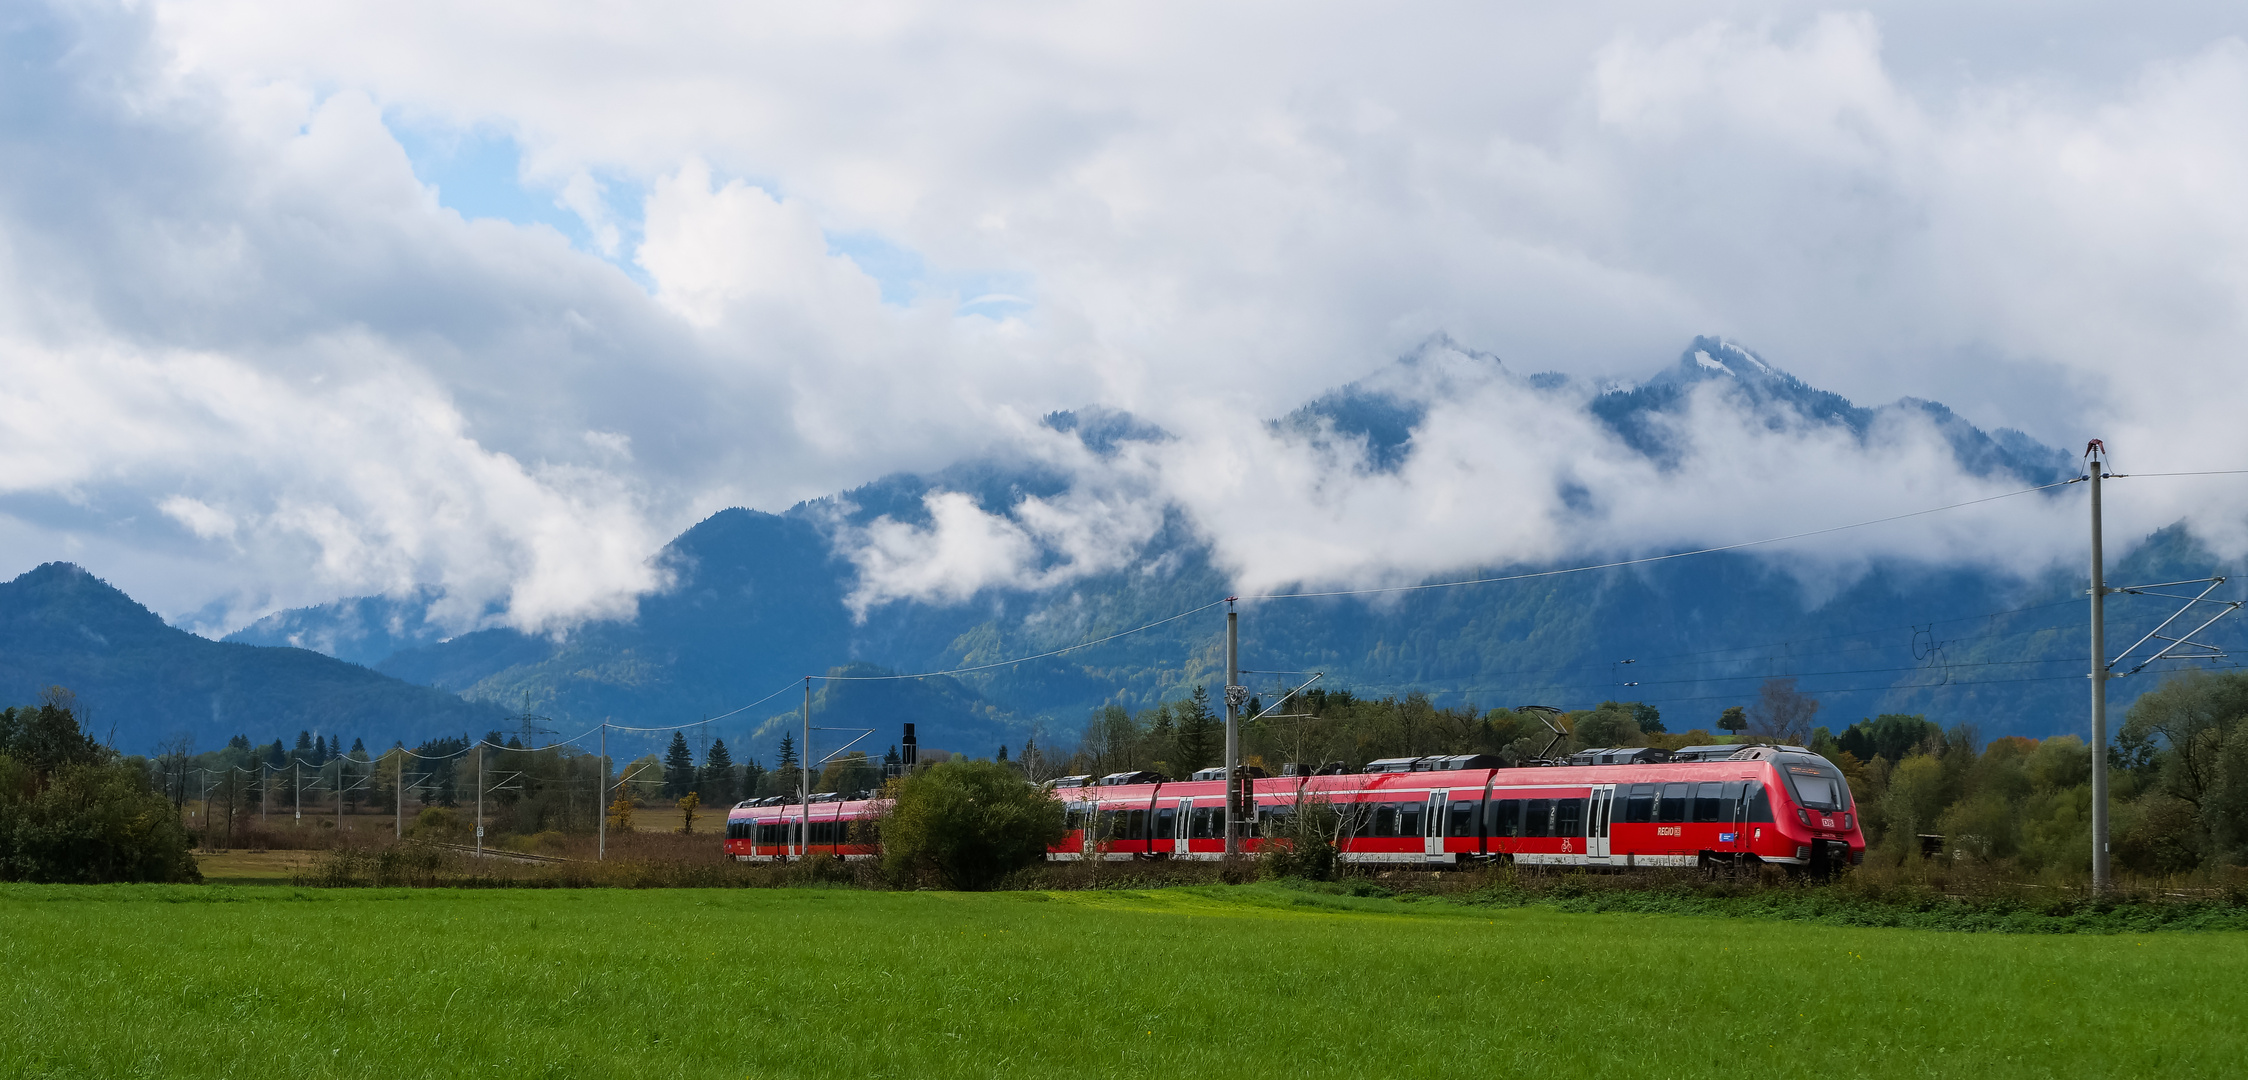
(1772, 804)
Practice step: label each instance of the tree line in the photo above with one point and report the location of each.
(72, 810)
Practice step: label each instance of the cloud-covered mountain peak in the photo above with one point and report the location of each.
(1385, 407)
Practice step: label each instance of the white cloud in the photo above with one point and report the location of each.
(217, 257)
(200, 518)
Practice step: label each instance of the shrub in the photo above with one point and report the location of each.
(966, 824)
(89, 823)
(440, 823)
(1302, 844)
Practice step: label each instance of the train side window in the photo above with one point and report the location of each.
(1709, 802)
(1356, 816)
(1729, 799)
(1385, 820)
(1672, 807)
(1537, 817)
(1640, 808)
(1568, 817)
(1274, 819)
(1463, 818)
(1506, 817)
(1166, 822)
(1759, 803)
(1409, 819)
(1137, 828)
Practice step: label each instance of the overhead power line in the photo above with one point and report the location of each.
(1021, 659)
(791, 685)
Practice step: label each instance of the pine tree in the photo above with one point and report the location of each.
(718, 774)
(1161, 738)
(304, 745)
(1198, 735)
(1002, 753)
(785, 763)
(678, 767)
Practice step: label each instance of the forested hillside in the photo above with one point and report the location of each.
(140, 682)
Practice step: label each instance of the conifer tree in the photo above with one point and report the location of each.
(678, 767)
(784, 763)
(1198, 733)
(719, 774)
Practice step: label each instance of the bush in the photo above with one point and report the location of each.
(89, 823)
(966, 824)
(440, 823)
(1302, 844)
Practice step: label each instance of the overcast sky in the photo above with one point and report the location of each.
(302, 301)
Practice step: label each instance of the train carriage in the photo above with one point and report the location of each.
(1774, 804)
(773, 829)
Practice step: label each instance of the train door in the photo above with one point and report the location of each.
(1599, 809)
(1179, 828)
(1735, 835)
(1433, 826)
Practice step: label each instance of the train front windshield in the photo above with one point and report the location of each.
(1818, 785)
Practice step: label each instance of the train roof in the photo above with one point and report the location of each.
(1560, 775)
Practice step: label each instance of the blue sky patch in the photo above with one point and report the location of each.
(478, 173)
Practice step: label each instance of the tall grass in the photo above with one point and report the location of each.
(1252, 981)
(1936, 896)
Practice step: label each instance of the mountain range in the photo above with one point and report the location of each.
(759, 600)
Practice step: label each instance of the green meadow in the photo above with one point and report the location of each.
(1250, 981)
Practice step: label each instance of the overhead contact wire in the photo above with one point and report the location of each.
(1020, 659)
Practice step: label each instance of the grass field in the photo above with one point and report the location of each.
(1252, 981)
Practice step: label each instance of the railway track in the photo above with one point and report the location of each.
(496, 853)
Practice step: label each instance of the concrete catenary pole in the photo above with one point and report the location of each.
(398, 823)
(2096, 466)
(804, 775)
(1233, 778)
(601, 804)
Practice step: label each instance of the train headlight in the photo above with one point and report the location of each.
(1849, 821)
(1802, 816)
